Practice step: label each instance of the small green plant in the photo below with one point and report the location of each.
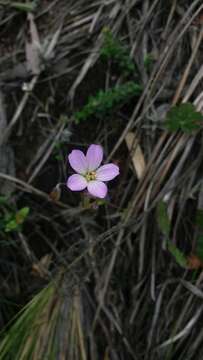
(113, 50)
(181, 259)
(10, 219)
(195, 259)
(106, 102)
(14, 221)
(164, 225)
(184, 117)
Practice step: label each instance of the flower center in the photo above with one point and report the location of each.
(90, 176)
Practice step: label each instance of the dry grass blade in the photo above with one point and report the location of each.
(184, 332)
(136, 154)
(32, 48)
(29, 88)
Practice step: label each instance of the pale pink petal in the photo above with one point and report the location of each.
(97, 188)
(94, 157)
(78, 161)
(107, 172)
(76, 182)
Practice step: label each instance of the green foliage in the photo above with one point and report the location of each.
(184, 117)
(162, 218)
(11, 226)
(28, 7)
(164, 225)
(177, 254)
(113, 50)
(21, 215)
(13, 220)
(106, 102)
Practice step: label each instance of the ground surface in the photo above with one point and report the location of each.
(131, 295)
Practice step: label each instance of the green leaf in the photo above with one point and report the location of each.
(178, 255)
(184, 117)
(162, 218)
(11, 225)
(21, 215)
(19, 5)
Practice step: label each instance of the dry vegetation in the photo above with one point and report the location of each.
(99, 283)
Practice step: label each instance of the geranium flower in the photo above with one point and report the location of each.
(90, 174)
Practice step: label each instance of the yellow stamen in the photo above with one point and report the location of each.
(90, 176)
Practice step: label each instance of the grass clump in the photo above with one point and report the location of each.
(20, 340)
(49, 327)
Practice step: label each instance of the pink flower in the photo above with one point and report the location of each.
(90, 174)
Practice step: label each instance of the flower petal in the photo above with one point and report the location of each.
(78, 161)
(94, 156)
(97, 188)
(76, 182)
(107, 172)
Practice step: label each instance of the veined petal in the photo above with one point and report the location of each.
(76, 182)
(78, 161)
(107, 172)
(94, 157)
(97, 188)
